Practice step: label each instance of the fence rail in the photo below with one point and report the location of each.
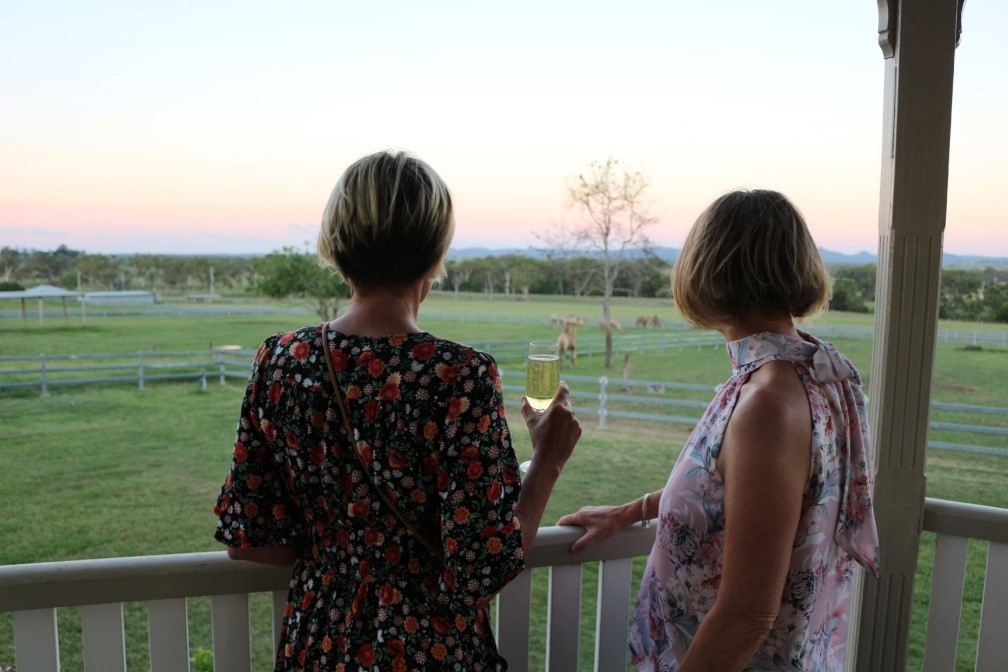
(139, 368)
(605, 398)
(964, 337)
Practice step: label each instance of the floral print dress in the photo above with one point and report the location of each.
(836, 529)
(365, 593)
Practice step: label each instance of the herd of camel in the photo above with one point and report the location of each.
(568, 341)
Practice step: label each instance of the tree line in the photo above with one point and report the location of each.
(968, 295)
(965, 294)
(294, 272)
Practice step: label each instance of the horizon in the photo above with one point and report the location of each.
(220, 129)
(830, 256)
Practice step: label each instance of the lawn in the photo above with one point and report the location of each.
(114, 471)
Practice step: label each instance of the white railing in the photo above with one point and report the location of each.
(33, 592)
(100, 587)
(956, 523)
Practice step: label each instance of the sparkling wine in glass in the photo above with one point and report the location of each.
(543, 374)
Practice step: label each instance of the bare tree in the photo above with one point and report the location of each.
(612, 198)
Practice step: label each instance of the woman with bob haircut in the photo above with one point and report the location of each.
(768, 507)
(374, 457)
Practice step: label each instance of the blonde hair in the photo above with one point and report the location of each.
(388, 222)
(749, 252)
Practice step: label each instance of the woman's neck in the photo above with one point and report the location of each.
(756, 323)
(382, 311)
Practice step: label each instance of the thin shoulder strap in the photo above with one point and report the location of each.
(348, 428)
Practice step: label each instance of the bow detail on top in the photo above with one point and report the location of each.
(829, 366)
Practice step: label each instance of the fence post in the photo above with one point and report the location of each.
(602, 383)
(42, 375)
(140, 370)
(223, 378)
(202, 379)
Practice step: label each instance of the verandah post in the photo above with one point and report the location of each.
(918, 40)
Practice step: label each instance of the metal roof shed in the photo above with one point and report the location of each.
(41, 293)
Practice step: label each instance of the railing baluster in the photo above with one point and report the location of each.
(168, 624)
(36, 643)
(232, 645)
(946, 603)
(564, 614)
(992, 653)
(512, 621)
(279, 606)
(612, 614)
(104, 641)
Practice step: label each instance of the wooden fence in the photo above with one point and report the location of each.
(957, 427)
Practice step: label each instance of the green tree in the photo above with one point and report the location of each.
(959, 295)
(847, 296)
(12, 261)
(647, 276)
(458, 272)
(995, 301)
(292, 273)
(522, 273)
(51, 267)
(861, 275)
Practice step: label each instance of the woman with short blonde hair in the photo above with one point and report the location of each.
(375, 458)
(749, 252)
(388, 221)
(768, 507)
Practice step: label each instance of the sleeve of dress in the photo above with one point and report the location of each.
(256, 506)
(479, 488)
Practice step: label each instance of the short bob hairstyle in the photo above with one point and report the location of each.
(749, 252)
(388, 223)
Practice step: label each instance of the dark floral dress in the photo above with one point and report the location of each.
(366, 594)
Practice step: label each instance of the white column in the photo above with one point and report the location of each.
(918, 39)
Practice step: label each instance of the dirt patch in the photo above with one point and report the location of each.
(954, 388)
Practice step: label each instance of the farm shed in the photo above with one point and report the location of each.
(122, 298)
(41, 293)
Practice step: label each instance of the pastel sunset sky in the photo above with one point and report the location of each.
(220, 127)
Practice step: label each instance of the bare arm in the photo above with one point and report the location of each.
(554, 433)
(765, 461)
(601, 522)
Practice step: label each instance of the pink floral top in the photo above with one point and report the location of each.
(836, 529)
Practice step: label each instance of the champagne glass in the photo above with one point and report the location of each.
(543, 374)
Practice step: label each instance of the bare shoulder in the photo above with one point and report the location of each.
(771, 419)
(774, 393)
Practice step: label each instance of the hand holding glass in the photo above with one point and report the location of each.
(543, 374)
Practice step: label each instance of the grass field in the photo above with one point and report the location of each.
(113, 471)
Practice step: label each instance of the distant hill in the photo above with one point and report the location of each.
(670, 254)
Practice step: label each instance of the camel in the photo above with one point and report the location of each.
(613, 325)
(567, 343)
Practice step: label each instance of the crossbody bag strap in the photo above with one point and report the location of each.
(435, 549)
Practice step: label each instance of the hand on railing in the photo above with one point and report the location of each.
(600, 522)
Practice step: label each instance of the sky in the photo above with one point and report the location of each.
(221, 127)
